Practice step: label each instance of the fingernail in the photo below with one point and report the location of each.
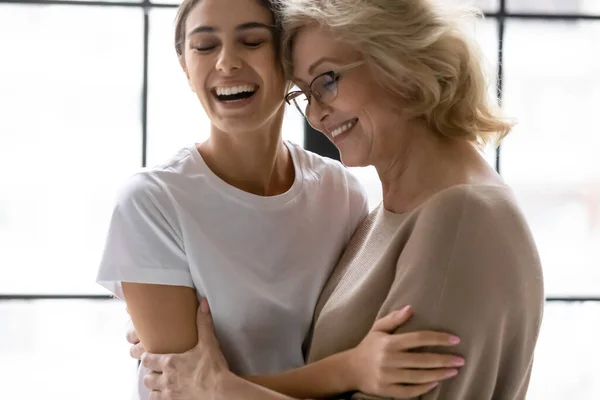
(454, 340)
(459, 362)
(204, 306)
(434, 384)
(403, 311)
(452, 372)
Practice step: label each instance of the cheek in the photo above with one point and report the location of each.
(197, 73)
(271, 74)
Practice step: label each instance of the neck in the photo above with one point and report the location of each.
(422, 164)
(256, 162)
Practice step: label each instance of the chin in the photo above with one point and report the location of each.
(238, 125)
(351, 159)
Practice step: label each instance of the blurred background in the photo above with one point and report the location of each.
(90, 91)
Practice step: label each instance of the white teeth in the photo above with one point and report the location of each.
(228, 91)
(343, 128)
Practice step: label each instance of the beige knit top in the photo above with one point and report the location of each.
(466, 262)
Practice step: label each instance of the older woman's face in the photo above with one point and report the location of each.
(355, 118)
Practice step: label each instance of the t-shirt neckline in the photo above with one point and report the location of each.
(250, 198)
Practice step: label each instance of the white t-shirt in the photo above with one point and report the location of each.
(260, 261)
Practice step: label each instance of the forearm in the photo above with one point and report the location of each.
(232, 387)
(328, 377)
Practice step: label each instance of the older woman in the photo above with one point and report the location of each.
(396, 84)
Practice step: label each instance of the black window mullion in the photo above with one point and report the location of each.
(314, 141)
(146, 44)
(501, 20)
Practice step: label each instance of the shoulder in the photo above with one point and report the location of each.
(477, 205)
(328, 171)
(155, 183)
(473, 242)
(143, 193)
(481, 231)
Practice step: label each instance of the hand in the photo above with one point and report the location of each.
(383, 367)
(195, 374)
(137, 348)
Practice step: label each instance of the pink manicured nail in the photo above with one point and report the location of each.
(451, 373)
(204, 306)
(403, 311)
(459, 362)
(454, 340)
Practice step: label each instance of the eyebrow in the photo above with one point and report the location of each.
(320, 61)
(313, 66)
(242, 27)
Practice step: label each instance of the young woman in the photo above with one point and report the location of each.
(250, 222)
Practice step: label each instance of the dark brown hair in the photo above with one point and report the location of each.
(188, 5)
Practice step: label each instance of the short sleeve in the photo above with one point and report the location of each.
(144, 242)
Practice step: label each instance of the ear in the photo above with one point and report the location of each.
(185, 70)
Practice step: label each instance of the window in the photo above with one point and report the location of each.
(65, 349)
(552, 85)
(96, 85)
(70, 133)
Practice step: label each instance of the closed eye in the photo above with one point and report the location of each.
(204, 49)
(253, 44)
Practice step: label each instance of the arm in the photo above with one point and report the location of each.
(144, 262)
(163, 316)
(381, 364)
(201, 372)
(328, 377)
(479, 257)
(233, 387)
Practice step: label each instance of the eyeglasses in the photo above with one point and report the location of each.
(323, 88)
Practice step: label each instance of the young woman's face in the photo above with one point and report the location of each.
(230, 60)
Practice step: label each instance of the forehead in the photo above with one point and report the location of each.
(218, 13)
(312, 43)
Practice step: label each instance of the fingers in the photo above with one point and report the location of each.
(426, 361)
(204, 307)
(155, 362)
(414, 340)
(421, 376)
(132, 336)
(392, 321)
(153, 381)
(204, 320)
(136, 351)
(408, 392)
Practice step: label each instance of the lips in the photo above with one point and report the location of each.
(343, 127)
(232, 90)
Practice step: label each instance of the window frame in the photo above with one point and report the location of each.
(314, 141)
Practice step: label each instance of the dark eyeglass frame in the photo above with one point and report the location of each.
(334, 75)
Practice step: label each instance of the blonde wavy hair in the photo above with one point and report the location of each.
(418, 50)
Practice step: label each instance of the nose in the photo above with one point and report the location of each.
(228, 60)
(317, 112)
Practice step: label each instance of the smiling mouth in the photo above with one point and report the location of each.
(343, 128)
(236, 93)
